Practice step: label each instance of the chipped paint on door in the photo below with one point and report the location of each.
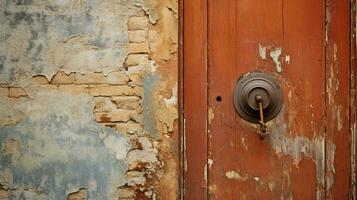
(312, 128)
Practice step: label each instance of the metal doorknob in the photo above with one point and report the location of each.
(258, 98)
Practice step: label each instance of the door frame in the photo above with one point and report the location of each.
(192, 101)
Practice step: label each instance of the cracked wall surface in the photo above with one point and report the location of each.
(88, 92)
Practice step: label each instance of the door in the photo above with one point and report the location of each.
(304, 47)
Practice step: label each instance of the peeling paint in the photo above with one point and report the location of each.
(287, 59)
(275, 55)
(263, 52)
(148, 108)
(331, 148)
(36, 40)
(298, 147)
(210, 115)
(41, 39)
(64, 142)
(236, 175)
(210, 163)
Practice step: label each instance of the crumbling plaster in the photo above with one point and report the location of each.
(88, 99)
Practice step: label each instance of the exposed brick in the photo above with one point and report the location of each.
(137, 69)
(110, 125)
(116, 116)
(143, 156)
(117, 78)
(4, 194)
(138, 48)
(137, 36)
(135, 178)
(90, 79)
(79, 195)
(40, 79)
(16, 92)
(4, 91)
(126, 193)
(62, 78)
(127, 102)
(117, 90)
(129, 127)
(137, 117)
(136, 59)
(136, 78)
(104, 104)
(138, 23)
(74, 89)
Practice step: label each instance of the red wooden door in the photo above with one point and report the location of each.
(305, 46)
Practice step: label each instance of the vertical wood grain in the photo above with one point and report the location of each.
(195, 99)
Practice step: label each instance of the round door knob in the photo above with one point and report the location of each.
(256, 88)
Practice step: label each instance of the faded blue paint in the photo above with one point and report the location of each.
(148, 106)
(45, 26)
(62, 149)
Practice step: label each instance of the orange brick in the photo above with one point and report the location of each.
(116, 116)
(40, 79)
(62, 78)
(4, 91)
(128, 102)
(136, 59)
(136, 78)
(117, 90)
(16, 92)
(138, 23)
(74, 89)
(117, 78)
(104, 104)
(137, 36)
(138, 48)
(90, 79)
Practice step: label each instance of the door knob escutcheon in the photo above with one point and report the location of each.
(258, 97)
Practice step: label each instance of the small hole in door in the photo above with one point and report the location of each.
(218, 98)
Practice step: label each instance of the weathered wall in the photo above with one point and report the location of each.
(88, 106)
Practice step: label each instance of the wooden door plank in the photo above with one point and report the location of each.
(353, 97)
(304, 82)
(337, 99)
(195, 99)
(243, 166)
